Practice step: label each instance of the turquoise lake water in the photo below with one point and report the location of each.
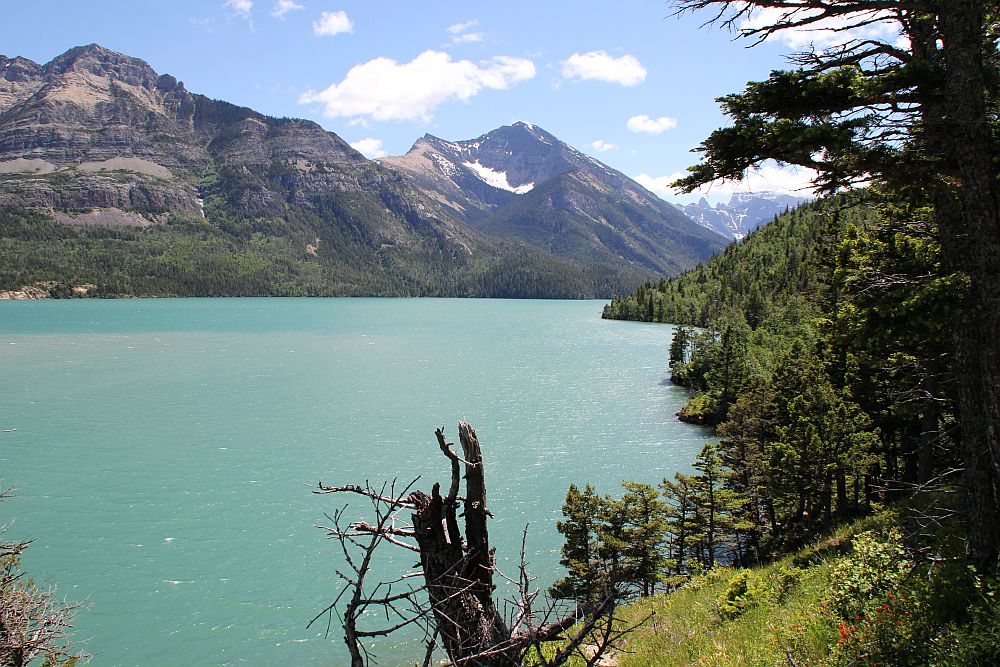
(165, 448)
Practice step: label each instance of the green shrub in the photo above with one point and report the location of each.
(785, 580)
(741, 594)
(875, 567)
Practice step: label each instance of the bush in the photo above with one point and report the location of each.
(785, 580)
(741, 594)
(875, 567)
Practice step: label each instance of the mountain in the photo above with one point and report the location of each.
(519, 182)
(116, 176)
(744, 213)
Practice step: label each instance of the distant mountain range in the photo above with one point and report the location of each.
(116, 177)
(744, 213)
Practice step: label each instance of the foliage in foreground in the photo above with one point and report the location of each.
(857, 597)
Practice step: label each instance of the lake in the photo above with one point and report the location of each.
(165, 448)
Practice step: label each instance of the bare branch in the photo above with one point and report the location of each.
(454, 605)
(365, 491)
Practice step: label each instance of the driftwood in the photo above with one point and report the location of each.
(454, 603)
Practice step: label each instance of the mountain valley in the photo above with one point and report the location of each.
(115, 176)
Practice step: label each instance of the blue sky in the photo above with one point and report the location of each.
(620, 80)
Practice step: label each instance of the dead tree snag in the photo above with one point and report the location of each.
(455, 602)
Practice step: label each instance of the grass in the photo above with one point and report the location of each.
(688, 628)
(782, 614)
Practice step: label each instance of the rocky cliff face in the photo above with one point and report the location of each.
(744, 213)
(92, 109)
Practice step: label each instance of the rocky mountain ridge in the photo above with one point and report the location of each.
(745, 212)
(521, 182)
(94, 130)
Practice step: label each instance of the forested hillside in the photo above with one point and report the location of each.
(784, 264)
(819, 348)
(300, 255)
(117, 181)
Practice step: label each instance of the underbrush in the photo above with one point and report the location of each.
(858, 597)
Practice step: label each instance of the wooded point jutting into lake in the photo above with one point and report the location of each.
(778, 444)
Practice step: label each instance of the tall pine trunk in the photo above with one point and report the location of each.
(970, 238)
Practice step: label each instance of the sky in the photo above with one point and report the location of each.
(622, 80)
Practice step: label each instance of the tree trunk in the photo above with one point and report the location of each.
(843, 508)
(928, 430)
(460, 580)
(970, 240)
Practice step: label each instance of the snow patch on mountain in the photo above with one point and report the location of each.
(444, 165)
(497, 179)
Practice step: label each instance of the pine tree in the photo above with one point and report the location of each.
(580, 557)
(682, 526)
(645, 533)
(715, 505)
(743, 450)
(916, 117)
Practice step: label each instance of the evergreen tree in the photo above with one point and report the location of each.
(916, 116)
(645, 533)
(682, 525)
(583, 511)
(745, 437)
(715, 505)
(679, 345)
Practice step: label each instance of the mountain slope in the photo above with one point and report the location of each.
(520, 182)
(97, 146)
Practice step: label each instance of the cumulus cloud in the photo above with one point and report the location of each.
(826, 33)
(659, 184)
(651, 125)
(370, 148)
(625, 70)
(332, 23)
(383, 89)
(769, 177)
(602, 146)
(241, 7)
(282, 7)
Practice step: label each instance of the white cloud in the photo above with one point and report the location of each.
(282, 7)
(626, 70)
(332, 23)
(602, 146)
(382, 89)
(468, 37)
(651, 125)
(241, 7)
(461, 35)
(827, 32)
(459, 28)
(659, 184)
(370, 148)
(767, 178)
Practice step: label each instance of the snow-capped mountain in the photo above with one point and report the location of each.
(97, 138)
(745, 212)
(521, 183)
